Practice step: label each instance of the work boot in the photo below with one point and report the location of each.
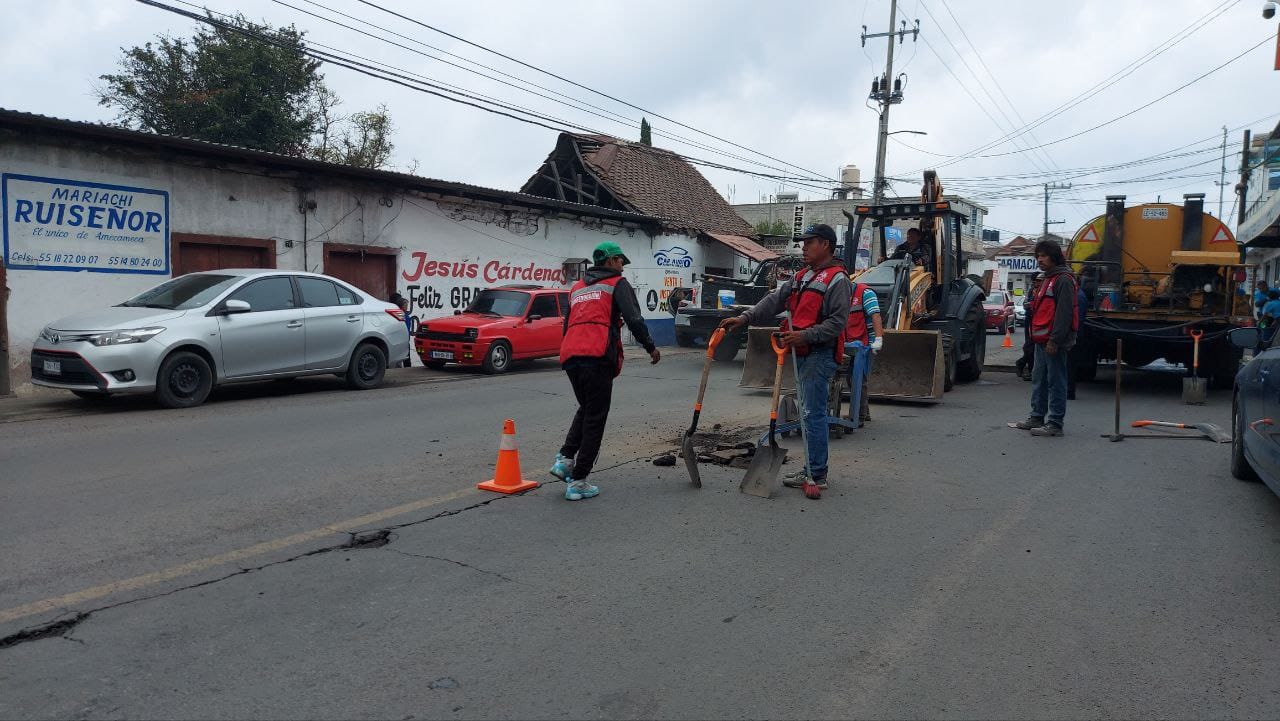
(561, 467)
(796, 480)
(1031, 423)
(578, 490)
(1048, 429)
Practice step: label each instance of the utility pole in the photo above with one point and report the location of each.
(1047, 222)
(883, 95)
(1222, 177)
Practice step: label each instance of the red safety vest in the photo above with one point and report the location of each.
(857, 327)
(590, 321)
(1046, 306)
(808, 288)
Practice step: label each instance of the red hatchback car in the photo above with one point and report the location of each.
(998, 310)
(502, 325)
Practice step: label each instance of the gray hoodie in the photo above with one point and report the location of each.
(835, 309)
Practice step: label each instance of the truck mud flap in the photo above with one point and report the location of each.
(908, 368)
(761, 362)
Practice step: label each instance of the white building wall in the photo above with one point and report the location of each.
(472, 244)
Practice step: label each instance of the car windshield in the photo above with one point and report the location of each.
(499, 302)
(183, 293)
(997, 297)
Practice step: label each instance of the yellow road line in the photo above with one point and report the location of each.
(150, 579)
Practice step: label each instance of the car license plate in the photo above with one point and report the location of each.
(53, 368)
(683, 320)
(442, 354)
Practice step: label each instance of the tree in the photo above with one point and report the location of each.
(246, 85)
(776, 227)
(646, 137)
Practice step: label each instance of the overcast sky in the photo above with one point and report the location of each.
(789, 80)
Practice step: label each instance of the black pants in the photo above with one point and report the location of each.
(593, 387)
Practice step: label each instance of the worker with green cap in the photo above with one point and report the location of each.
(591, 354)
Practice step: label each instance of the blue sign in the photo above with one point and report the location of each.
(673, 257)
(55, 224)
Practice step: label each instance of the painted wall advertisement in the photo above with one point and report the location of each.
(71, 225)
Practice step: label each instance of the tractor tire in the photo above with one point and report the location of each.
(948, 363)
(970, 369)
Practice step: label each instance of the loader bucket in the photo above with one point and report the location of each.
(761, 362)
(908, 367)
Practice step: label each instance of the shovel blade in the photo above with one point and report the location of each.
(691, 461)
(762, 475)
(1194, 391)
(1214, 432)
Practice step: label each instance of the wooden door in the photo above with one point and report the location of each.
(372, 270)
(193, 253)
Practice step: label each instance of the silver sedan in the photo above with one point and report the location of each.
(189, 334)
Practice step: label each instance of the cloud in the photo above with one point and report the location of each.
(787, 80)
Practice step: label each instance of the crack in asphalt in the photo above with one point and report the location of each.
(456, 563)
(61, 627)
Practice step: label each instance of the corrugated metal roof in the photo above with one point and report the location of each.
(745, 246)
(100, 131)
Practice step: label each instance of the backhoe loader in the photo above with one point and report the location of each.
(933, 318)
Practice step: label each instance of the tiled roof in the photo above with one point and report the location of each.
(745, 246)
(20, 121)
(657, 182)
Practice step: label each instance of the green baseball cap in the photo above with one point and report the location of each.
(607, 250)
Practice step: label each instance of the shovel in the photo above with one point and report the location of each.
(1193, 388)
(762, 475)
(686, 447)
(1211, 431)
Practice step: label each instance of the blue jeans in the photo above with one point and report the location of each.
(1049, 385)
(814, 373)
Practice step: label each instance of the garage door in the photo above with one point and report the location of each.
(194, 253)
(372, 270)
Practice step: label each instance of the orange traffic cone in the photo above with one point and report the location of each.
(507, 477)
(1008, 337)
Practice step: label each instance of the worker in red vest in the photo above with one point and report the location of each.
(1054, 323)
(864, 325)
(818, 301)
(591, 354)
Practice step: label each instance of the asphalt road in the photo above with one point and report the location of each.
(955, 569)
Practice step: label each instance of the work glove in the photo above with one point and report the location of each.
(877, 344)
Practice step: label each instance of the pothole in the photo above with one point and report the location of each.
(372, 539)
(48, 630)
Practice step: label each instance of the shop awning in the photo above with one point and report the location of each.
(745, 246)
(1261, 229)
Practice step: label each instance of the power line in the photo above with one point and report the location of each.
(1109, 81)
(584, 87)
(408, 80)
(562, 99)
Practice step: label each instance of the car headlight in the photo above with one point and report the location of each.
(121, 337)
(472, 333)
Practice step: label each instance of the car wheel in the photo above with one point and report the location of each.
(498, 359)
(434, 365)
(684, 340)
(1240, 467)
(728, 349)
(367, 367)
(184, 380)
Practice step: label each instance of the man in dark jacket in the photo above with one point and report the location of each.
(1053, 330)
(916, 249)
(591, 354)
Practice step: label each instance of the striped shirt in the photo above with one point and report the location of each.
(870, 306)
